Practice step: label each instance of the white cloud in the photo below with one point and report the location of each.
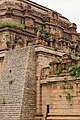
(68, 8)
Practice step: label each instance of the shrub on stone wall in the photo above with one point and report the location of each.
(35, 27)
(44, 19)
(8, 43)
(75, 71)
(66, 87)
(12, 24)
(46, 35)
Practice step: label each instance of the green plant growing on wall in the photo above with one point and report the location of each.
(74, 56)
(68, 96)
(35, 27)
(75, 71)
(12, 24)
(46, 35)
(44, 19)
(70, 55)
(8, 43)
(58, 70)
(66, 87)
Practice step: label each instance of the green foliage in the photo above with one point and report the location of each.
(8, 43)
(46, 35)
(73, 56)
(35, 27)
(65, 79)
(68, 96)
(58, 70)
(12, 24)
(66, 87)
(44, 19)
(75, 71)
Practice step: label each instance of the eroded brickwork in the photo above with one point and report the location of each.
(17, 85)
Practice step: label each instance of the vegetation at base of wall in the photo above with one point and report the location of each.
(12, 24)
(75, 71)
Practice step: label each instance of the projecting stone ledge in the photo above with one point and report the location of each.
(18, 85)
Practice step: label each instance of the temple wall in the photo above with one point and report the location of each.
(58, 104)
(31, 86)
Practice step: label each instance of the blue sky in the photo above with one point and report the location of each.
(68, 8)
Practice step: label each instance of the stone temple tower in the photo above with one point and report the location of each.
(39, 63)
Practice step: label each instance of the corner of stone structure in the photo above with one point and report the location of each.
(18, 85)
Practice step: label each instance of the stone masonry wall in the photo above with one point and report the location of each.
(17, 85)
(60, 103)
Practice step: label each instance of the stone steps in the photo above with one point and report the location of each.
(63, 118)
